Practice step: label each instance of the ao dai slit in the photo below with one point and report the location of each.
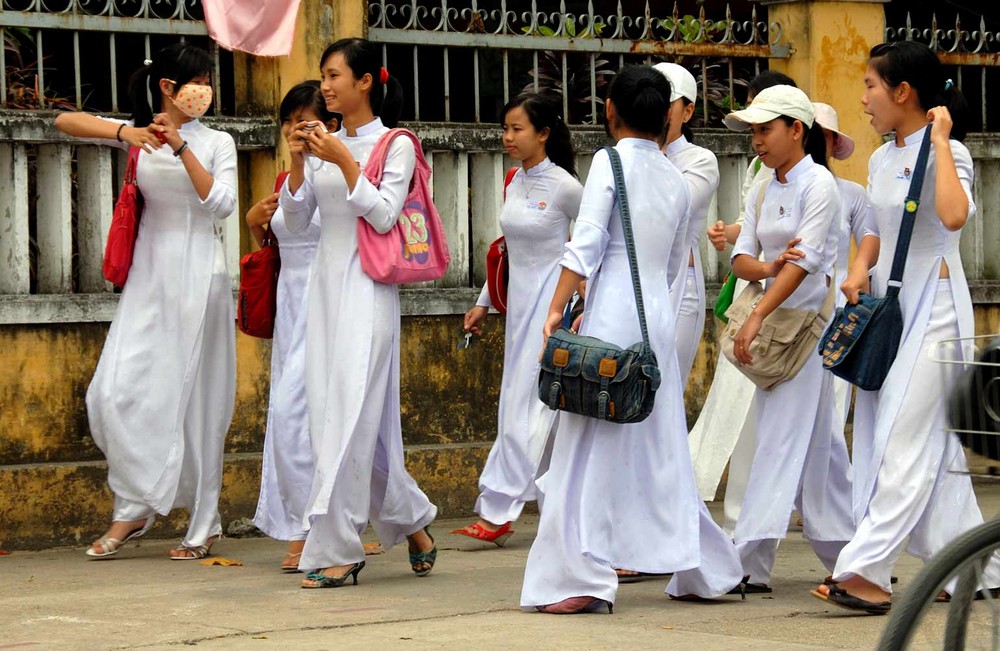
(541, 203)
(701, 172)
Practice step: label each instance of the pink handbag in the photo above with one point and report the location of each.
(415, 250)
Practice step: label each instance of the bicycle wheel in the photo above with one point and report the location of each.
(971, 620)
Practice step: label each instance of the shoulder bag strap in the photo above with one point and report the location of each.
(910, 207)
(633, 263)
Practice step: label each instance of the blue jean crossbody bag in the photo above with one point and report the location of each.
(862, 341)
(591, 377)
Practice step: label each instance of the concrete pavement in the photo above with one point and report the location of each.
(59, 600)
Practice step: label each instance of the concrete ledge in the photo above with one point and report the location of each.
(50, 504)
(100, 308)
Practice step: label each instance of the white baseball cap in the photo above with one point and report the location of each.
(772, 103)
(826, 117)
(682, 82)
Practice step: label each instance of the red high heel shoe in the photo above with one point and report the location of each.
(477, 531)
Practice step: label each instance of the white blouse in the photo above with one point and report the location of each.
(807, 206)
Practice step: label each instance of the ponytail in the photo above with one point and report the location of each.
(365, 57)
(641, 96)
(180, 62)
(545, 112)
(920, 67)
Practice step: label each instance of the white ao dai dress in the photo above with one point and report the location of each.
(541, 203)
(162, 396)
(352, 362)
(624, 495)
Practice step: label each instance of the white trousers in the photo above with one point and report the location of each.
(690, 325)
(923, 497)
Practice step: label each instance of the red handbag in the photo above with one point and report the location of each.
(497, 263)
(124, 226)
(257, 302)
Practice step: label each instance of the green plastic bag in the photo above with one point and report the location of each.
(726, 294)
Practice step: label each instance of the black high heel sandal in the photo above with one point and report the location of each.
(321, 580)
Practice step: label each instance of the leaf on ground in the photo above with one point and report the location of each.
(225, 562)
(4, 553)
(667, 628)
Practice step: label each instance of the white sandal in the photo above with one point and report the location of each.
(196, 553)
(111, 546)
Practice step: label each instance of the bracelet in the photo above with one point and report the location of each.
(118, 134)
(180, 150)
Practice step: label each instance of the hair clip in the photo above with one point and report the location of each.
(949, 84)
(147, 62)
(383, 75)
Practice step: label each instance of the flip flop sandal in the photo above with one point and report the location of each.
(840, 597)
(945, 597)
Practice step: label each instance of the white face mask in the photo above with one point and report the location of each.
(193, 100)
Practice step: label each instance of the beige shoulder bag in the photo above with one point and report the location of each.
(787, 338)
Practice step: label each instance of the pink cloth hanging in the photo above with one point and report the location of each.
(261, 27)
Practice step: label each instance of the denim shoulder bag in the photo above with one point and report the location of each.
(591, 377)
(862, 341)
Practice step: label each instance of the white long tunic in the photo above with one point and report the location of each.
(172, 330)
(912, 485)
(287, 468)
(796, 460)
(541, 204)
(889, 171)
(592, 520)
(352, 364)
(700, 168)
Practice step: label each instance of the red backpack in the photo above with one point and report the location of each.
(497, 262)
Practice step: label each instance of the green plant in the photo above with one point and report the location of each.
(23, 90)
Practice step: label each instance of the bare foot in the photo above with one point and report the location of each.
(859, 587)
(292, 555)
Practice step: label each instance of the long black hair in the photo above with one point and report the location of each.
(180, 62)
(545, 112)
(918, 66)
(813, 141)
(641, 95)
(306, 95)
(364, 57)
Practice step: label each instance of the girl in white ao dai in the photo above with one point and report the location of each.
(541, 202)
(592, 521)
(353, 328)
(912, 489)
(797, 462)
(287, 466)
(162, 396)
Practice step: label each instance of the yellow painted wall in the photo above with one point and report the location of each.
(830, 42)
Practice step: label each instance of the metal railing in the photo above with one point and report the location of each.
(44, 25)
(978, 49)
(570, 53)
